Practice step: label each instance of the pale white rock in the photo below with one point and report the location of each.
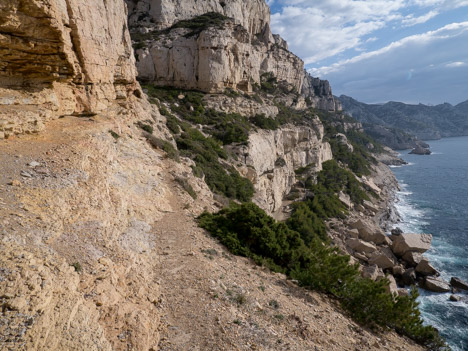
(254, 15)
(319, 93)
(345, 199)
(369, 231)
(436, 284)
(353, 233)
(360, 246)
(232, 55)
(425, 268)
(382, 260)
(216, 59)
(240, 104)
(271, 157)
(372, 272)
(60, 57)
(392, 287)
(412, 258)
(411, 243)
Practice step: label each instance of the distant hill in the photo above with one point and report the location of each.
(397, 124)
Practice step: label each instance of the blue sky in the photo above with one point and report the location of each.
(414, 51)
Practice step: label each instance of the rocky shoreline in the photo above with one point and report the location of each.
(371, 237)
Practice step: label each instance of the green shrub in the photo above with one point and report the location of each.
(114, 134)
(228, 128)
(200, 23)
(164, 145)
(146, 127)
(247, 230)
(183, 182)
(206, 151)
(304, 221)
(77, 267)
(268, 83)
(335, 179)
(263, 122)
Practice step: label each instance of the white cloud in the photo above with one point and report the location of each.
(430, 67)
(330, 27)
(455, 64)
(320, 29)
(410, 20)
(411, 43)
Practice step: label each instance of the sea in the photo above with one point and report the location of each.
(434, 199)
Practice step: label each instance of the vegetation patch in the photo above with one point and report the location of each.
(164, 145)
(228, 128)
(206, 152)
(200, 23)
(183, 182)
(248, 231)
(114, 134)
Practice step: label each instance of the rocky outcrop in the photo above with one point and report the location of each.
(319, 93)
(216, 59)
(232, 49)
(253, 15)
(61, 57)
(271, 158)
(419, 150)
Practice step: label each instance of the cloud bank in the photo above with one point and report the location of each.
(381, 50)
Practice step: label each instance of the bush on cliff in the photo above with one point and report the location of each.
(248, 231)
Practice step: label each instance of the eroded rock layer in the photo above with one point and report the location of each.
(61, 57)
(234, 51)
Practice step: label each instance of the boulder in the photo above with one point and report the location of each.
(345, 199)
(360, 246)
(353, 233)
(411, 243)
(398, 270)
(409, 277)
(392, 287)
(435, 284)
(458, 283)
(403, 292)
(455, 298)
(384, 260)
(425, 268)
(361, 256)
(370, 232)
(370, 206)
(412, 258)
(372, 272)
(397, 231)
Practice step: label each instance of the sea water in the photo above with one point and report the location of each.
(434, 199)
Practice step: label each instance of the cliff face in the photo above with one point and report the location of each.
(61, 57)
(234, 53)
(217, 59)
(253, 15)
(271, 158)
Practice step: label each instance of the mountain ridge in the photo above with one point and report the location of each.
(422, 121)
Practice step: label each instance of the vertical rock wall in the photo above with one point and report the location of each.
(61, 57)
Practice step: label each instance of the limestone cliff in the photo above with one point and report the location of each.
(233, 53)
(253, 15)
(61, 57)
(271, 158)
